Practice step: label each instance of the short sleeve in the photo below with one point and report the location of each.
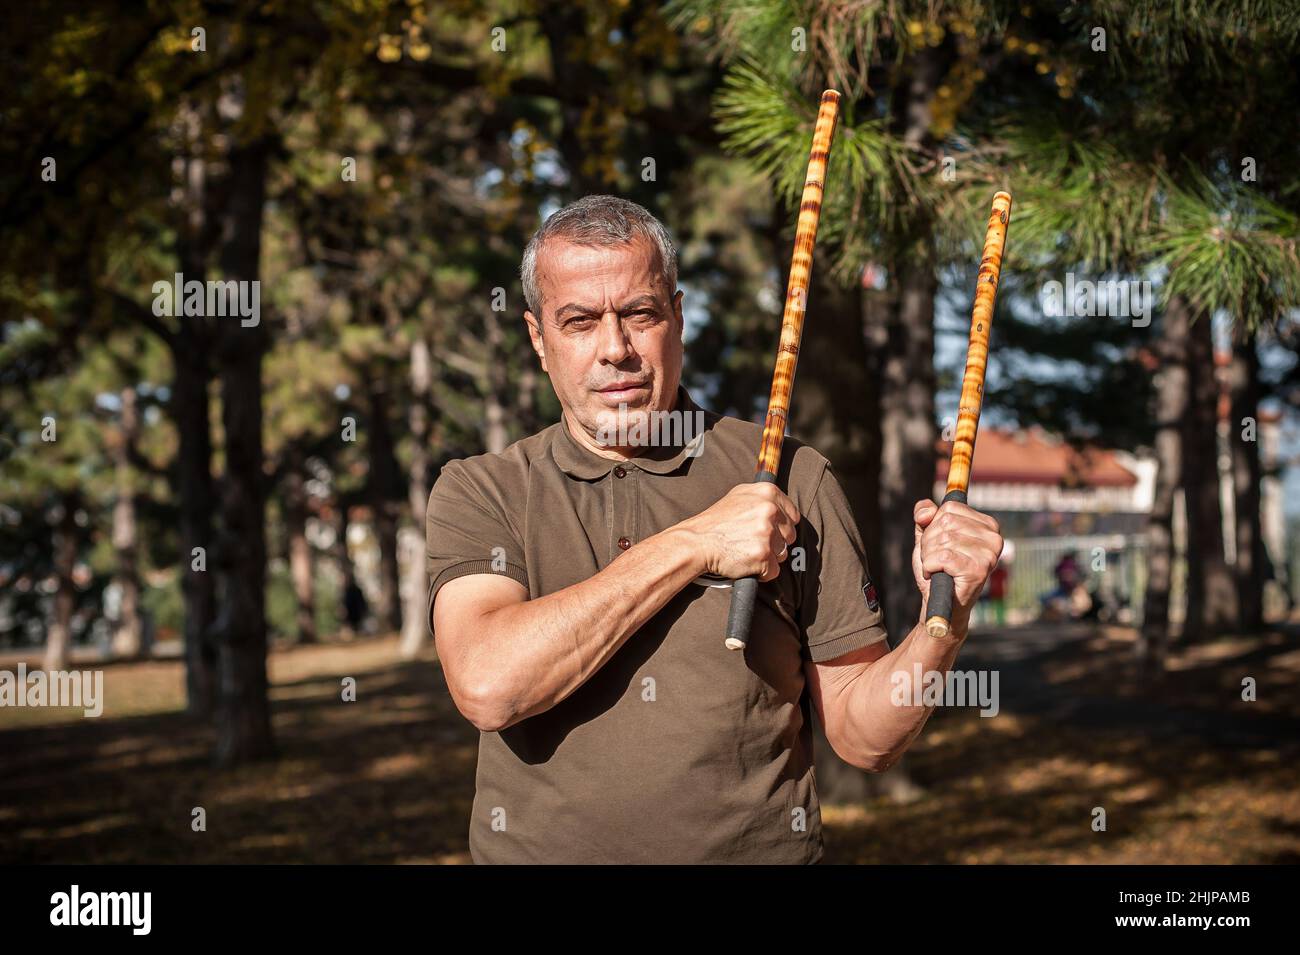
(839, 611)
(466, 533)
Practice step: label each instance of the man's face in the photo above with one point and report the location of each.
(610, 333)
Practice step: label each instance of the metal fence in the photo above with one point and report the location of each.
(1113, 568)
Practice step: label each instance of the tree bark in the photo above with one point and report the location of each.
(496, 434)
(907, 376)
(342, 557)
(907, 453)
(1244, 389)
(563, 25)
(1171, 409)
(300, 555)
(836, 410)
(415, 625)
(381, 484)
(836, 406)
(908, 432)
(1211, 590)
(128, 638)
(526, 401)
(243, 711)
(191, 411)
(58, 639)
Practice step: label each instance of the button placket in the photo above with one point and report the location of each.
(619, 539)
(636, 503)
(621, 493)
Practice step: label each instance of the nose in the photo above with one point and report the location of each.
(614, 347)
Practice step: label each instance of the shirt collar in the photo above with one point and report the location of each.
(578, 461)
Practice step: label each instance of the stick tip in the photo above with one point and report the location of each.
(937, 627)
(831, 96)
(1002, 196)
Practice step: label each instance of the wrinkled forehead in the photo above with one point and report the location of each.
(569, 271)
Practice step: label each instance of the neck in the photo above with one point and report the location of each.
(613, 452)
(600, 450)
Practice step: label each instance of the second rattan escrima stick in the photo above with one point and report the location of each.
(938, 618)
(745, 591)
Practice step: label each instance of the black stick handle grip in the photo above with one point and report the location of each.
(744, 595)
(938, 621)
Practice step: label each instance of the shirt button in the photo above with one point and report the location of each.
(620, 471)
(624, 543)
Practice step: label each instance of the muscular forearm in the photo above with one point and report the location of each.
(533, 654)
(876, 731)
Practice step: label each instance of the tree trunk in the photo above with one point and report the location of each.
(836, 405)
(415, 625)
(381, 483)
(300, 556)
(1243, 439)
(835, 410)
(907, 454)
(243, 710)
(128, 638)
(342, 558)
(562, 24)
(526, 402)
(1171, 409)
(908, 432)
(907, 377)
(496, 434)
(191, 411)
(58, 640)
(1211, 590)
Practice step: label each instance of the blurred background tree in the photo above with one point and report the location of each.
(378, 168)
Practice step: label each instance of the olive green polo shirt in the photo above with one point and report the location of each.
(678, 750)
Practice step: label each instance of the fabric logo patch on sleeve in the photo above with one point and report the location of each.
(869, 594)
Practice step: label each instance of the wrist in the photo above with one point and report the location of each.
(683, 543)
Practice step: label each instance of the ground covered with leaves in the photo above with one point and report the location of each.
(1185, 769)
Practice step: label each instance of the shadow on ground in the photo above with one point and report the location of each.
(388, 778)
(1185, 771)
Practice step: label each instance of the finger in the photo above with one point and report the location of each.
(976, 541)
(770, 570)
(943, 536)
(966, 512)
(962, 527)
(786, 528)
(787, 506)
(950, 561)
(923, 512)
(778, 546)
(958, 556)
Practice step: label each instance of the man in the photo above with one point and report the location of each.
(580, 589)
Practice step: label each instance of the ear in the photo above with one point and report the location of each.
(677, 314)
(535, 335)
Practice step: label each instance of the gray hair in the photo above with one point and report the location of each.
(599, 221)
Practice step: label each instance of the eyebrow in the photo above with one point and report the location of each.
(576, 308)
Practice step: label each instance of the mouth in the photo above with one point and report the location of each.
(623, 390)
